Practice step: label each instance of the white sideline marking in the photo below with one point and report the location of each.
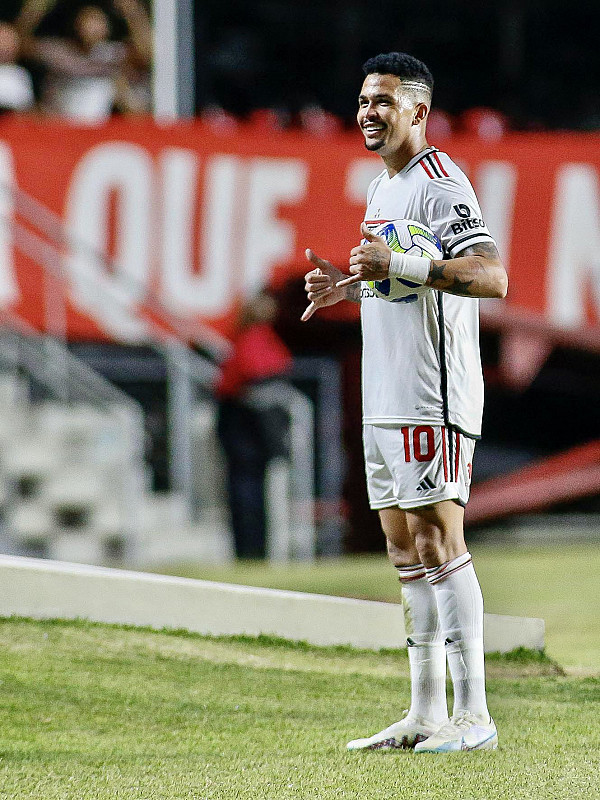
(43, 589)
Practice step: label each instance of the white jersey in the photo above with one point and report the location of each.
(421, 359)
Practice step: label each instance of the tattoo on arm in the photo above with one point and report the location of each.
(436, 273)
(439, 279)
(445, 275)
(353, 292)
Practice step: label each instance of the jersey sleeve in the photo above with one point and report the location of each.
(453, 214)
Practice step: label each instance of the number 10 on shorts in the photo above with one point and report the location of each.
(421, 445)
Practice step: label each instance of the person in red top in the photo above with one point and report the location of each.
(251, 436)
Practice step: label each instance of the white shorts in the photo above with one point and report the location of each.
(416, 465)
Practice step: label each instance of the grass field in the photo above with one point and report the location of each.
(558, 583)
(105, 712)
(99, 712)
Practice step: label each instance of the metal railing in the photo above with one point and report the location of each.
(41, 235)
(48, 362)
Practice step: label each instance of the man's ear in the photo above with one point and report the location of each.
(421, 111)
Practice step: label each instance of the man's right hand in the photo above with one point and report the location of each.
(321, 285)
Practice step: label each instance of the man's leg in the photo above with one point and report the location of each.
(425, 641)
(438, 534)
(427, 658)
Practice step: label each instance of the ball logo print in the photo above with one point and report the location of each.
(414, 239)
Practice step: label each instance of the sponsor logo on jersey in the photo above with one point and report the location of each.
(463, 210)
(383, 287)
(466, 225)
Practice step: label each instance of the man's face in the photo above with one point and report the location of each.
(385, 113)
(91, 26)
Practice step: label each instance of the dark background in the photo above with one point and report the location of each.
(535, 60)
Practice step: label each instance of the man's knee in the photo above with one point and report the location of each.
(402, 556)
(437, 532)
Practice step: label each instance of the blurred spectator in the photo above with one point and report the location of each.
(134, 85)
(219, 120)
(439, 124)
(88, 74)
(16, 86)
(268, 120)
(318, 122)
(485, 123)
(251, 436)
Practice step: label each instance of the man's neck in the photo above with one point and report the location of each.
(396, 162)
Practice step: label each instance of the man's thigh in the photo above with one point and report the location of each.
(399, 538)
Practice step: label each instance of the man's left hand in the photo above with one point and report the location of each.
(369, 261)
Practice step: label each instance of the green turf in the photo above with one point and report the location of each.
(557, 583)
(92, 711)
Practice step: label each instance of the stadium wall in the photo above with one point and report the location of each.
(45, 589)
(202, 219)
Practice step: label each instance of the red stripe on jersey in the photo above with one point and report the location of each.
(457, 455)
(444, 459)
(425, 167)
(376, 221)
(427, 170)
(435, 155)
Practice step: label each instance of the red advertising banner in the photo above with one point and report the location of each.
(199, 221)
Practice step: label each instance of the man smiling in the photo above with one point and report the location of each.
(422, 400)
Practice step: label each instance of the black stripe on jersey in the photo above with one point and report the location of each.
(470, 236)
(434, 166)
(444, 379)
(462, 432)
(418, 161)
(443, 365)
(452, 429)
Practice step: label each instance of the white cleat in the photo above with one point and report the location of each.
(403, 735)
(465, 731)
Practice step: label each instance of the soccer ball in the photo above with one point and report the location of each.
(414, 239)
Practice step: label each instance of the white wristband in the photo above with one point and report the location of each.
(412, 268)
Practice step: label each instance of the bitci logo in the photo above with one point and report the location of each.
(463, 210)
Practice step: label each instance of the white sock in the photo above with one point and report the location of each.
(460, 608)
(426, 654)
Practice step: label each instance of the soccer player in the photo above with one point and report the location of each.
(422, 401)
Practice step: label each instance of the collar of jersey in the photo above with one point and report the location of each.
(415, 159)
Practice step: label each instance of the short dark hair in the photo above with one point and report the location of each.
(403, 65)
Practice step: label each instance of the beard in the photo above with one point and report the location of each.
(376, 144)
(372, 146)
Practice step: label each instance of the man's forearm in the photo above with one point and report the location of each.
(140, 30)
(31, 15)
(477, 274)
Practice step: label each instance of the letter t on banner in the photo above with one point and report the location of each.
(173, 70)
